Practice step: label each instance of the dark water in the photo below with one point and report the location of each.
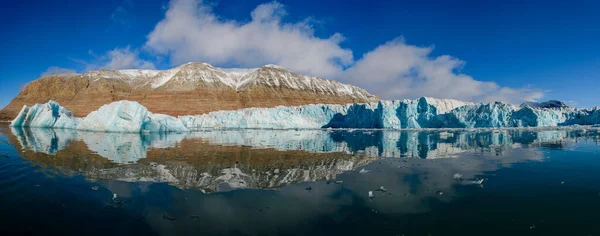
(261, 182)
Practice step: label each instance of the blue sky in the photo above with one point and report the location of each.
(468, 50)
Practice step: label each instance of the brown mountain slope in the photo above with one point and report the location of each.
(192, 88)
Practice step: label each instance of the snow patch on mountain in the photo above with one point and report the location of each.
(163, 77)
(548, 104)
(127, 76)
(192, 75)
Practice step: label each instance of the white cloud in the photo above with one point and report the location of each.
(398, 70)
(54, 70)
(124, 58)
(116, 59)
(191, 31)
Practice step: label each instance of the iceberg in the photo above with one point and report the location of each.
(121, 116)
(49, 115)
(128, 116)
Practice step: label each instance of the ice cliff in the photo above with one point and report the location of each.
(121, 116)
(128, 116)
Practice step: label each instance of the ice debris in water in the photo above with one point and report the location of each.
(129, 116)
(457, 176)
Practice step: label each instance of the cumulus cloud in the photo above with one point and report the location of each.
(191, 31)
(124, 58)
(398, 70)
(54, 70)
(115, 59)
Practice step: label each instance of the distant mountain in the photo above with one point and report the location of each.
(547, 104)
(192, 88)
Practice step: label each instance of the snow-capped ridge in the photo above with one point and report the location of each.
(546, 104)
(192, 75)
(274, 66)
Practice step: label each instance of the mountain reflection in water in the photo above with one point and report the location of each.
(316, 180)
(222, 160)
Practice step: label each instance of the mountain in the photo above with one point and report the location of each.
(192, 88)
(547, 104)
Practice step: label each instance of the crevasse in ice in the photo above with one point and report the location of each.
(128, 116)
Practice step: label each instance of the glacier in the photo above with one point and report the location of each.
(121, 116)
(422, 113)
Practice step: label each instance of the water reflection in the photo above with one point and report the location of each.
(325, 174)
(129, 148)
(216, 161)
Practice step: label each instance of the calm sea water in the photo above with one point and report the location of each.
(317, 182)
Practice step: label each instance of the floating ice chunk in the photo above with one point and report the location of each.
(457, 176)
(49, 115)
(121, 116)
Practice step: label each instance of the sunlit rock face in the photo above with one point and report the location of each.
(128, 116)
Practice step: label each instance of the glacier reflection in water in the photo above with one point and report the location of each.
(221, 160)
(129, 147)
(327, 174)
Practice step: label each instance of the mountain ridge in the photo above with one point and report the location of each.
(189, 89)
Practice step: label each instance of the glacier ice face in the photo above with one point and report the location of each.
(164, 123)
(49, 115)
(121, 116)
(492, 115)
(127, 116)
(309, 116)
(420, 113)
